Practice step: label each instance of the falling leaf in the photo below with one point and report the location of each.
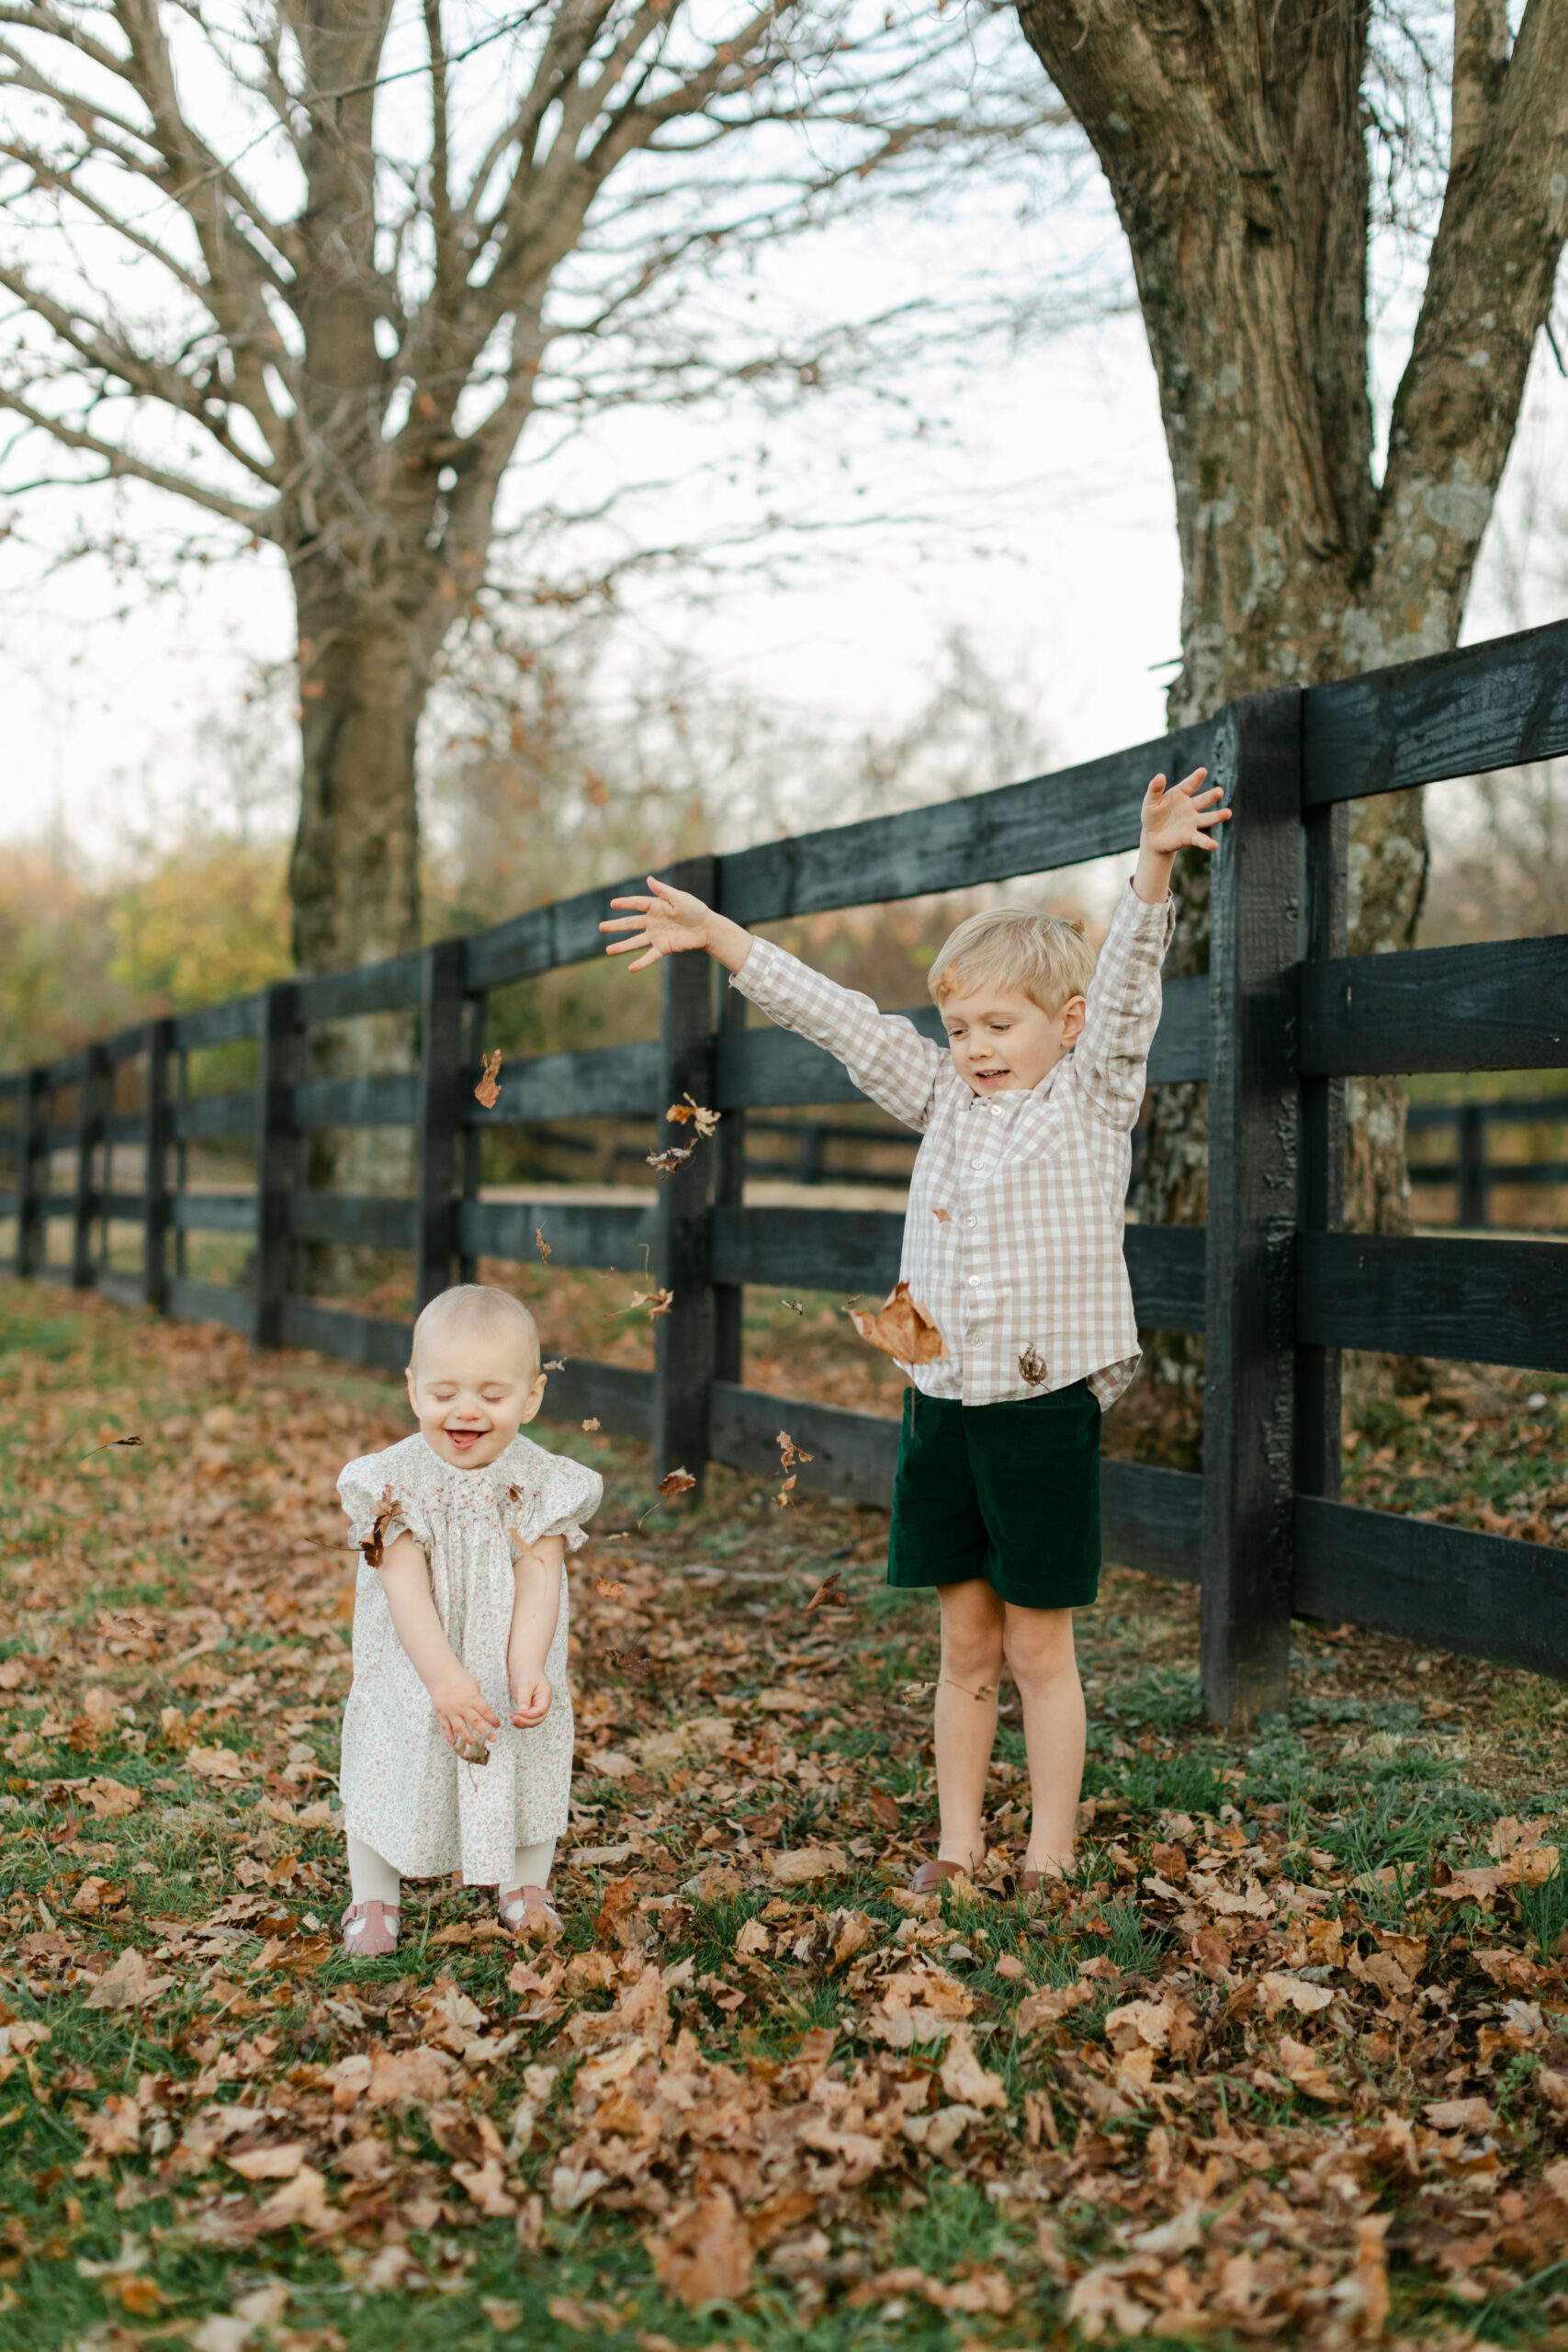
(488, 1091)
(783, 1493)
(789, 1452)
(676, 1482)
(590, 1427)
(609, 1589)
(373, 1545)
(902, 1329)
(942, 1216)
(831, 1595)
(109, 1446)
(795, 1306)
(687, 1109)
(1031, 1366)
(556, 1363)
(541, 1245)
(675, 1156)
(658, 1302)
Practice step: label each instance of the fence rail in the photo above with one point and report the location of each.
(1282, 1019)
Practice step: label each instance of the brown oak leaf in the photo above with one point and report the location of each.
(901, 1328)
(1032, 1367)
(689, 1109)
(676, 1482)
(541, 1245)
(375, 1544)
(658, 1302)
(665, 1163)
(488, 1091)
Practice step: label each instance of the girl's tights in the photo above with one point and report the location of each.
(374, 1880)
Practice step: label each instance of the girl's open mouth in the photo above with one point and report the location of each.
(464, 1441)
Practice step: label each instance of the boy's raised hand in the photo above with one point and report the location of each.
(1179, 815)
(670, 922)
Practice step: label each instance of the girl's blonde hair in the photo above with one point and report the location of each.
(1044, 958)
(476, 1303)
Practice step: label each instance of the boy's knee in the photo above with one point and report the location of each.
(1039, 1643)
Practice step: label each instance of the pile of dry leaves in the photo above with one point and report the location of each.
(1252, 2075)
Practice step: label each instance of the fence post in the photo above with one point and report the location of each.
(684, 1338)
(31, 1124)
(1472, 1167)
(276, 1065)
(440, 1099)
(1325, 841)
(1254, 1120)
(472, 1147)
(90, 1091)
(729, 1191)
(157, 1126)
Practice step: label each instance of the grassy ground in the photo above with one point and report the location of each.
(1290, 2059)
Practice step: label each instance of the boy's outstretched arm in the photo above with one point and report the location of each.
(1123, 1009)
(672, 922)
(884, 1054)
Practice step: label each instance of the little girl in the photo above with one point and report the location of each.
(461, 1621)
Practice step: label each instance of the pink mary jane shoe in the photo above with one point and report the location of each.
(370, 1930)
(528, 1912)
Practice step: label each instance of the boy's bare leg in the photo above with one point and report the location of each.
(1044, 1663)
(972, 1622)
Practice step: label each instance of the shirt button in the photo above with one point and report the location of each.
(973, 1281)
(976, 1163)
(995, 1110)
(971, 1220)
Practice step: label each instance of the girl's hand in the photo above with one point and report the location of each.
(670, 923)
(1179, 815)
(531, 1697)
(460, 1709)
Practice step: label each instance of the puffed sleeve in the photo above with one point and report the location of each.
(382, 1503)
(556, 1502)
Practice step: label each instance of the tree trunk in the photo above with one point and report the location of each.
(1232, 140)
(353, 878)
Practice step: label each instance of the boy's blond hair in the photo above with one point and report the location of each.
(1044, 958)
(476, 1303)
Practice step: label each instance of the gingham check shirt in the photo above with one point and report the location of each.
(1029, 1254)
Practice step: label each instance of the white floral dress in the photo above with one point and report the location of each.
(406, 1794)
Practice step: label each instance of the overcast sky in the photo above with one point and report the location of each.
(1034, 512)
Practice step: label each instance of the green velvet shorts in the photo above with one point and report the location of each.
(1010, 1492)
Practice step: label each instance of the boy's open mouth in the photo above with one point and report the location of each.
(990, 1077)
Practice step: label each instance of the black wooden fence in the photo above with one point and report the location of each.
(1281, 1020)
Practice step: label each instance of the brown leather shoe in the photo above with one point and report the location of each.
(929, 1876)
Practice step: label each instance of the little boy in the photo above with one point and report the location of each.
(1012, 1243)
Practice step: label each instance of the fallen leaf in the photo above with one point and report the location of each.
(1472, 2115)
(706, 2256)
(111, 1799)
(1303, 2069)
(267, 2164)
(964, 2079)
(1281, 1988)
(216, 1763)
(488, 1091)
(679, 1114)
(676, 1482)
(1050, 2005)
(805, 1863)
(128, 1985)
(902, 1329)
